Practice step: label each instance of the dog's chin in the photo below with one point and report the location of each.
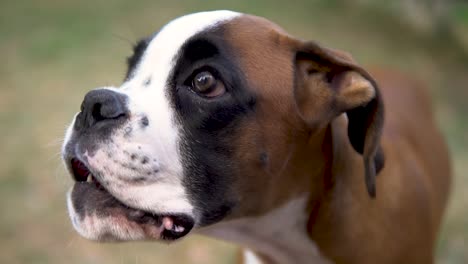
(98, 215)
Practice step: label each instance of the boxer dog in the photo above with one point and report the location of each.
(229, 127)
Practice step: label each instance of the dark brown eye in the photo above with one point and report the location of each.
(206, 84)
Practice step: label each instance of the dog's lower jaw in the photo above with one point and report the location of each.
(280, 236)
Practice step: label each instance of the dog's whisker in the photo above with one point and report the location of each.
(123, 38)
(71, 241)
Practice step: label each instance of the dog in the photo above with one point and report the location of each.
(228, 126)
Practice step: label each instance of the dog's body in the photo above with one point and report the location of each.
(228, 125)
(412, 188)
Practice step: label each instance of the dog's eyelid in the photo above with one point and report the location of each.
(218, 88)
(208, 68)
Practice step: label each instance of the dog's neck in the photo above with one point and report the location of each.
(281, 235)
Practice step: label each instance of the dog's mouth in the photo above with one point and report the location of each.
(81, 173)
(93, 198)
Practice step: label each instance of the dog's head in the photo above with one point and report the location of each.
(203, 125)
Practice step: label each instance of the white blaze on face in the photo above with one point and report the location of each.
(159, 140)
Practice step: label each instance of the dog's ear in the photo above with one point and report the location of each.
(327, 83)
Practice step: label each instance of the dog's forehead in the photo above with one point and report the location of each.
(162, 50)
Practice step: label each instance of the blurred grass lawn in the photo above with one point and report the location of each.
(52, 52)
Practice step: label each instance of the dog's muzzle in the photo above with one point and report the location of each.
(96, 211)
(99, 202)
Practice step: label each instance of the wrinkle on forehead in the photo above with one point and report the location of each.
(158, 59)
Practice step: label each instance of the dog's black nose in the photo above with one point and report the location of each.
(101, 105)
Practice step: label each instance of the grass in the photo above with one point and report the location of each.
(54, 51)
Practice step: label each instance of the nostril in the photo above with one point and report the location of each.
(96, 112)
(102, 104)
(101, 112)
(113, 109)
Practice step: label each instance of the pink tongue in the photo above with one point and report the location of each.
(155, 231)
(167, 223)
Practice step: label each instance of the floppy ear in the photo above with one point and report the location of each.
(328, 83)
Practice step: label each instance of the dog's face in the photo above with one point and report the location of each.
(197, 132)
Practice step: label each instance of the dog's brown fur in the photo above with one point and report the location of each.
(311, 152)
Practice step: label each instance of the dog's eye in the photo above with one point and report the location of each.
(206, 84)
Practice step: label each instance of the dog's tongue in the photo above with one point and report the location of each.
(168, 227)
(168, 224)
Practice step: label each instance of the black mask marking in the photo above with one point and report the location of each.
(209, 125)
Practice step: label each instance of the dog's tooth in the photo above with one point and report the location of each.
(89, 178)
(179, 229)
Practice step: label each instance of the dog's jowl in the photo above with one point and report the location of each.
(229, 127)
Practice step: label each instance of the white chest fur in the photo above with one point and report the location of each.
(280, 235)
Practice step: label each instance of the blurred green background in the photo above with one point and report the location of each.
(53, 51)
